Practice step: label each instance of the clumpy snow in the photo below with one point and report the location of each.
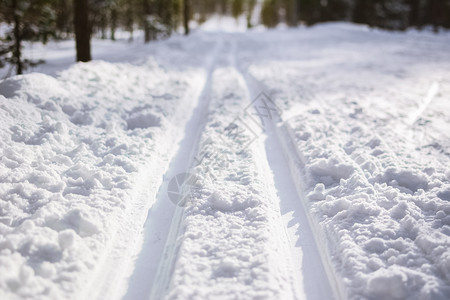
(375, 182)
(230, 227)
(73, 149)
(344, 195)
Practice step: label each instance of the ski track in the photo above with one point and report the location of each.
(315, 276)
(316, 203)
(148, 275)
(299, 268)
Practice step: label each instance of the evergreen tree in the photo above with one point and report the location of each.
(30, 21)
(415, 17)
(437, 13)
(269, 13)
(291, 8)
(129, 13)
(309, 11)
(250, 7)
(64, 22)
(237, 8)
(335, 10)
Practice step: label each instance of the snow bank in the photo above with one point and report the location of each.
(73, 150)
(376, 184)
(388, 226)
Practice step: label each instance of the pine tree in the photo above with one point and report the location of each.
(269, 13)
(30, 21)
(291, 7)
(250, 7)
(237, 8)
(64, 20)
(309, 11)
(335, 10)
(129, 8)
(436, 13)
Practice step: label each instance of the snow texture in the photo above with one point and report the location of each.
(376, 183)
(74, 150)
(365, 127)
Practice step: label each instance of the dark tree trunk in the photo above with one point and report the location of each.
(17, 51)
(186, 15)
(82, 30)
(62, 18)
(129, 21)
(103, 25)
(363, 12)
(414, 14)
(437, 14)
(113, 23)
(292, 12)
(147, 29)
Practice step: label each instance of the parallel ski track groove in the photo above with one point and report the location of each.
(169, 256)
(295, 162)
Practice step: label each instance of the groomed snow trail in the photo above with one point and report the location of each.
(148, 276)
(311, 262)
(243, 232)
(364, 213)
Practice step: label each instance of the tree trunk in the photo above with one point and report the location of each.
(17, 51)
(82, 30)
(129, 20)
(103, 25)
(61, 18)
(113, 23)
(147, 29)
(186, 15)
(414, 14)
(292, 8)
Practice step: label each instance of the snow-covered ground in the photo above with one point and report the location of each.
(318, 163)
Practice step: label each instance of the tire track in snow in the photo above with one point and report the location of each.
(155, 259)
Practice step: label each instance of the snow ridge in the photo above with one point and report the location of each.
(70, 169)
(374, 210)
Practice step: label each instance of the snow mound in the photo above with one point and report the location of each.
(70, 168)
(377, 185)
(389, 231)
(143, 120)
(32, 87)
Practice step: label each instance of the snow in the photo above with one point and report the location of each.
(230, 225)
(371, 175)
(343, 195)
(73, 149)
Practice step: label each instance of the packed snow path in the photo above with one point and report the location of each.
(270, 264)
(317, 161)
